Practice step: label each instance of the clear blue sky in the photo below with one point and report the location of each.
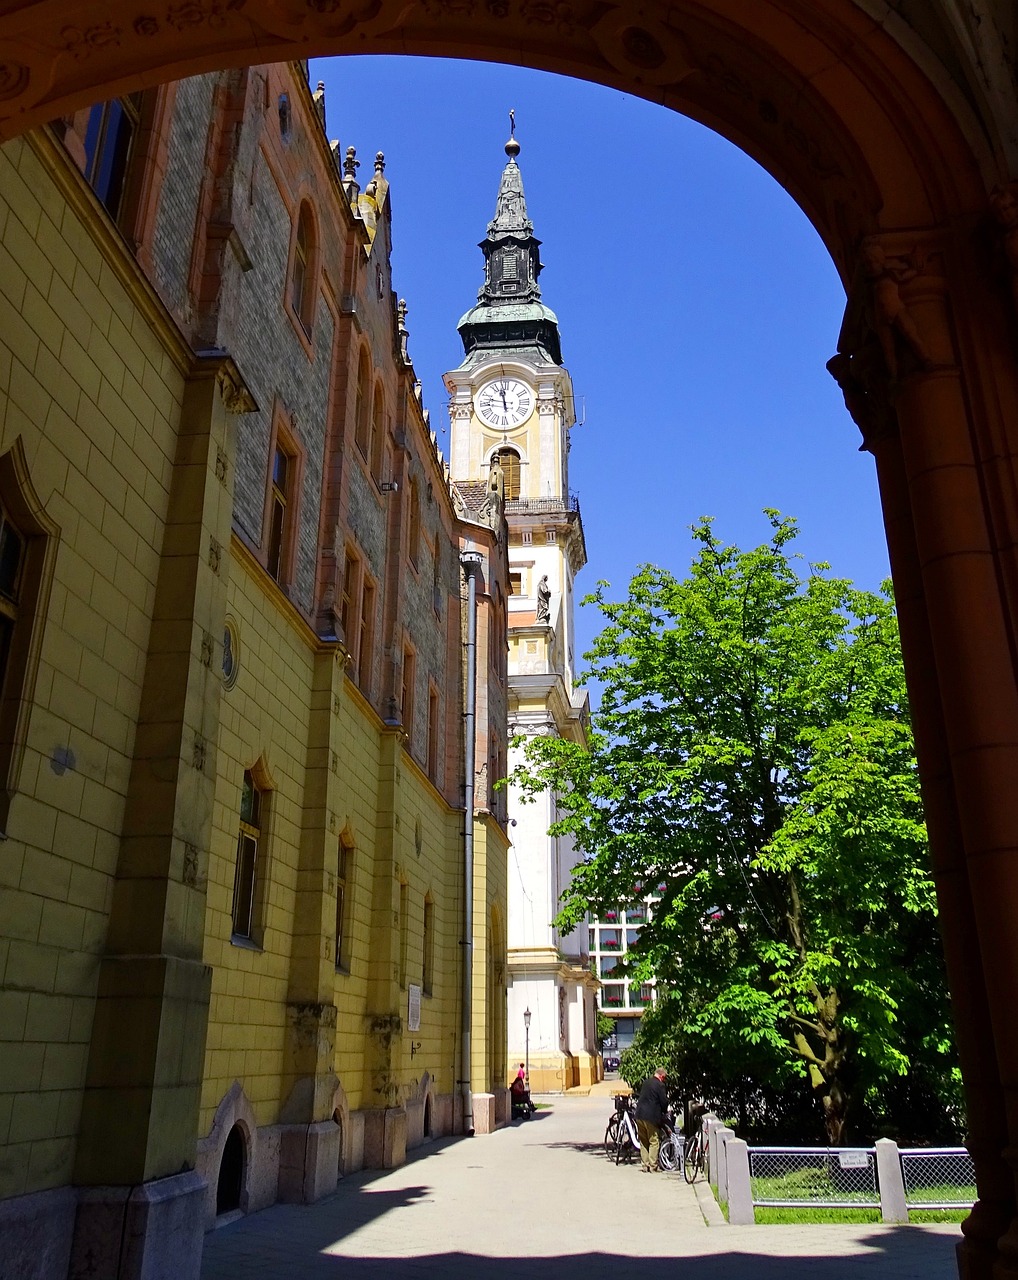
(697, 305)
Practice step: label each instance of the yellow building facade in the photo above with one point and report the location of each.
(235, 604)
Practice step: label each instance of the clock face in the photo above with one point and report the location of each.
(504, 402)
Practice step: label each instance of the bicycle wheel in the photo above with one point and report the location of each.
(692, 1159)
(667, 1155)
(625, 1147)
(611, 1136)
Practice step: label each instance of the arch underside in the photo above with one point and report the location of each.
(820, 94)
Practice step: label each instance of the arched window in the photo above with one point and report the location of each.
(302, 275)
(414, 545)
(344, 873)
(377, 434)
(251, 871)
(28, 544)
(362, 407)
(232, 1168)
(509, 461)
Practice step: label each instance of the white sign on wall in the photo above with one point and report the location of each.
(413, 1016)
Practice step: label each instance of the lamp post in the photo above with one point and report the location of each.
(526, 1029)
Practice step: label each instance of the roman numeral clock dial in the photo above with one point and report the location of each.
(504, 403)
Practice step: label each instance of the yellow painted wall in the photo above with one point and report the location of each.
(92, 384)
(264, 719)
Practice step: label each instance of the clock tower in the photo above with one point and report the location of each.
(511, 409)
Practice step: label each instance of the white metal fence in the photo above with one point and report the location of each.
(881, 1176)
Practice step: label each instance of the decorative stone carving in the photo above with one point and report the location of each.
(236, 396)
(890, 317)
(631, 39)
(865, 384)
(215, 555)
(83, 41)
(14, 80)
(222, 466)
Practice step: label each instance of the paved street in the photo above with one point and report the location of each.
(539, 1201)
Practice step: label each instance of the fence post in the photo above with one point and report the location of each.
(740, 1190)
(890, 1181)
(723, 1135)
(714, 1141)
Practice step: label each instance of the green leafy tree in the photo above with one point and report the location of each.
(753, 758)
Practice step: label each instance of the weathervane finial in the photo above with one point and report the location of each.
(512, 147)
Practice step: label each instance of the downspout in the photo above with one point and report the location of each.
(471, 563)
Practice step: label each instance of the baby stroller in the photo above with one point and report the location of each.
(519, 1096)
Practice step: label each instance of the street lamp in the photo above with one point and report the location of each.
(526, 1028)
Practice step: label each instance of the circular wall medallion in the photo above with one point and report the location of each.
(231, 653)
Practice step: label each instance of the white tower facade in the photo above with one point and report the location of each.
(511, 408)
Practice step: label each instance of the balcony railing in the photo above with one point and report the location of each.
(538, 506)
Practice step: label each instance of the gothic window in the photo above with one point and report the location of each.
(428, 977)
(249, 870)
(12, 563)
(404, 929)
(415, 524)
(302, 272)
(343, 875)
(28, 544)
(377, 435)
(406, 697)
(365, 637)
(350, 600)
(509, 461)
(109, 142)
(433, 732)
(281, 510)
(362, 408)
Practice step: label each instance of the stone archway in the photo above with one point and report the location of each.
(893, 140)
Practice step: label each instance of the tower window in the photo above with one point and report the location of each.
(509, 461)
(362, 410)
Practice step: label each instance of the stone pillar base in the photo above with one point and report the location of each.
(484, 1113)
(308, 1161)
(384, 1138)
(150, 1232)
(36, 1233)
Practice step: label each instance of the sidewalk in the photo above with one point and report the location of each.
(539, 1199)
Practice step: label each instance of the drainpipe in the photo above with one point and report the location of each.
(471, 563)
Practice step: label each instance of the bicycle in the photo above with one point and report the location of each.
(695, 1154)
(620, 1136)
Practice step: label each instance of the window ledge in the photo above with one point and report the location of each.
(245, 944)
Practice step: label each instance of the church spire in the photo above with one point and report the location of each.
(509, 314)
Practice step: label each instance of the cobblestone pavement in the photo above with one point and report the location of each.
(539, 1201)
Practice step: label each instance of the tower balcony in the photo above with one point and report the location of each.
(542, 506)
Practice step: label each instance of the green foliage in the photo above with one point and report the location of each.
(605, 1027)
(753, 758)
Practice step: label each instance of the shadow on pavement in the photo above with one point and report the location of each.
(904, 1254)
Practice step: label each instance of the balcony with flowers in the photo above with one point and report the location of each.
(613, 995)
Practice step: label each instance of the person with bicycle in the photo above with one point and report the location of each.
(651, 1109)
